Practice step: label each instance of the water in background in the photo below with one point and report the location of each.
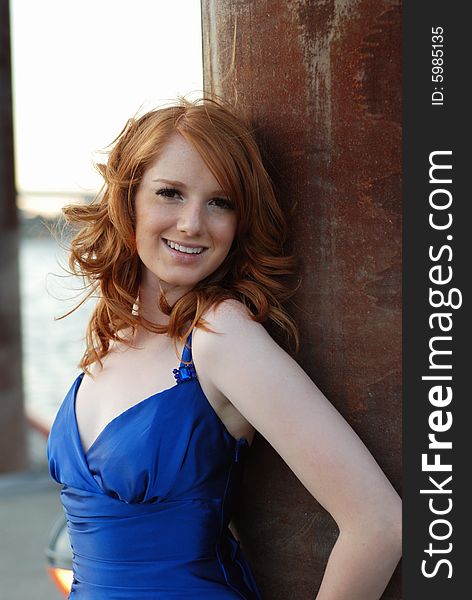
(51, 349)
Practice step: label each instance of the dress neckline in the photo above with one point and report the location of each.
(111, 421)
(138, 405)
(184, 374)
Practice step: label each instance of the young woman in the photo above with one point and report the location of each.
(185, 249)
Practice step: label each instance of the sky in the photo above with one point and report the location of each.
(81, 68)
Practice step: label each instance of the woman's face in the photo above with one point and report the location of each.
(185, 223)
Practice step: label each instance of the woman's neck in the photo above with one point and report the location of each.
(149, 297)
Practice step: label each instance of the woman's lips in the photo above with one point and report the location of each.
(183, 257)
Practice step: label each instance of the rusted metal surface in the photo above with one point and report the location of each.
(12, 423)
(321, 80)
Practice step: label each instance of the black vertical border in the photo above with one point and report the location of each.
(427, 129)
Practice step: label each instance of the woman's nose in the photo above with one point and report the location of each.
(190, 218)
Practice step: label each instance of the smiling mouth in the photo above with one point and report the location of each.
(184, 249)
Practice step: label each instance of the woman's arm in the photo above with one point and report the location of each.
(277, 397)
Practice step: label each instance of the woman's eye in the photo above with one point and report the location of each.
(222, 203)
(168, 193)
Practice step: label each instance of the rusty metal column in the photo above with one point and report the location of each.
(12, 422)
(321, 81)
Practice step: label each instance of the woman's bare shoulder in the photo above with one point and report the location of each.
(231, 328)
(229, 306)
(228, 314)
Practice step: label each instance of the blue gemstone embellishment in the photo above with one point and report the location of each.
(184, 373)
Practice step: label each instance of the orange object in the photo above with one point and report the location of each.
(62, 578)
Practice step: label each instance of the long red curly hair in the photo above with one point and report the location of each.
(104, 253)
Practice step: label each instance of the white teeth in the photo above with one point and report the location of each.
(180, 248)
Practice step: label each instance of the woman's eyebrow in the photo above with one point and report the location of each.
(179, 184)
(176, 183)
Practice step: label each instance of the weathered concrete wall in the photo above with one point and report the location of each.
(322, 82)
(12, 424)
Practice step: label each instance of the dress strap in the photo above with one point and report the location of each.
(186, 370)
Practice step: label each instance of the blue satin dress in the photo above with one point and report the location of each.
(148, 505)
